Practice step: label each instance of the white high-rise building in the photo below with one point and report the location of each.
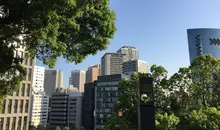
(131, 53)
(78, 79)
(40, 101)
(38, 79)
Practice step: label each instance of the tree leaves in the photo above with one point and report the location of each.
(188, 100)
(72, 29)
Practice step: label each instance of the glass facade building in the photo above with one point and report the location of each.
(203, 41)
(106, 95)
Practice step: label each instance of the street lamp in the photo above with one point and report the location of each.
(120, 113)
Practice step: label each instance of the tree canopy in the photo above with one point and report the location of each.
(187, 100)
(48, 29)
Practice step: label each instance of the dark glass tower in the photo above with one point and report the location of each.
(203, 41)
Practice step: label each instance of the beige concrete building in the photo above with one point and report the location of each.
(78, 79)
(16, 107)
(111, 63)
(53, 79)
(135, 66)
(92, 73)
(131, 53)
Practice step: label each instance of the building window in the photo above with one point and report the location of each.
(28, 90)
(31, 62)
(26, 59)
(26, 106)
(22, 54)
(15, 106)
(29, 74)
(17, 92)
(3, 107)
(7, 123)
(25, 123)
(9, 106)
(21, 106)
(23, 89)
(19, 123)
(1, 123)
(13, 123)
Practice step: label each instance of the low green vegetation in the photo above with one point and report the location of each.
(48, 127)
(187, 100)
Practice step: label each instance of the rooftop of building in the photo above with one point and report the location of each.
(129, 47)
(203, 29)
(78, 70)
(112, 54)
(134, 60)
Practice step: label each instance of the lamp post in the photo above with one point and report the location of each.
(120, 113)
(146, 112)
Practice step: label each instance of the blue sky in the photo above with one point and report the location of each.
(157, 28)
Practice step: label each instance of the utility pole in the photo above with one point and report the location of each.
(146, 112)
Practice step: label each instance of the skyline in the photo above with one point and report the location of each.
(156, 29)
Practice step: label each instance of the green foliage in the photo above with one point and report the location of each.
(188, 100)
(202, 119)
(117, 123)
(72, 29)
(66, 128)
(41, 127)
(166, 122)
(57, 128)
(54, 28)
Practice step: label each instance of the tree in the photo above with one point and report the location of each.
(57, 128)
(202, 119)
(180, 90)
(166, 122)
(205, 73)
(188, 100)
(72, 29)
(66, 128)
(128, 101)
(117, 123)
(41, 127)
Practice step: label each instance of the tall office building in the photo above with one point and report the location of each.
(88, 106)
(92, 73)
(14, 114)
(111, 63)
(203, 41)
(53, 79)
(38, 79)
(40, 101)
(66, 109)
(134, 66)
(131, 53)
(106, 95)
(78, 79)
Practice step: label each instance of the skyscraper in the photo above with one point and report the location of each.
(106, 95)
(78, 79)
(130, 53)
(111, 63)
(134, 66)
(53, 79)
(14, 114)
(40, 101)
(66, 109)
(92, 73)
(88, 106)
(203, 41)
